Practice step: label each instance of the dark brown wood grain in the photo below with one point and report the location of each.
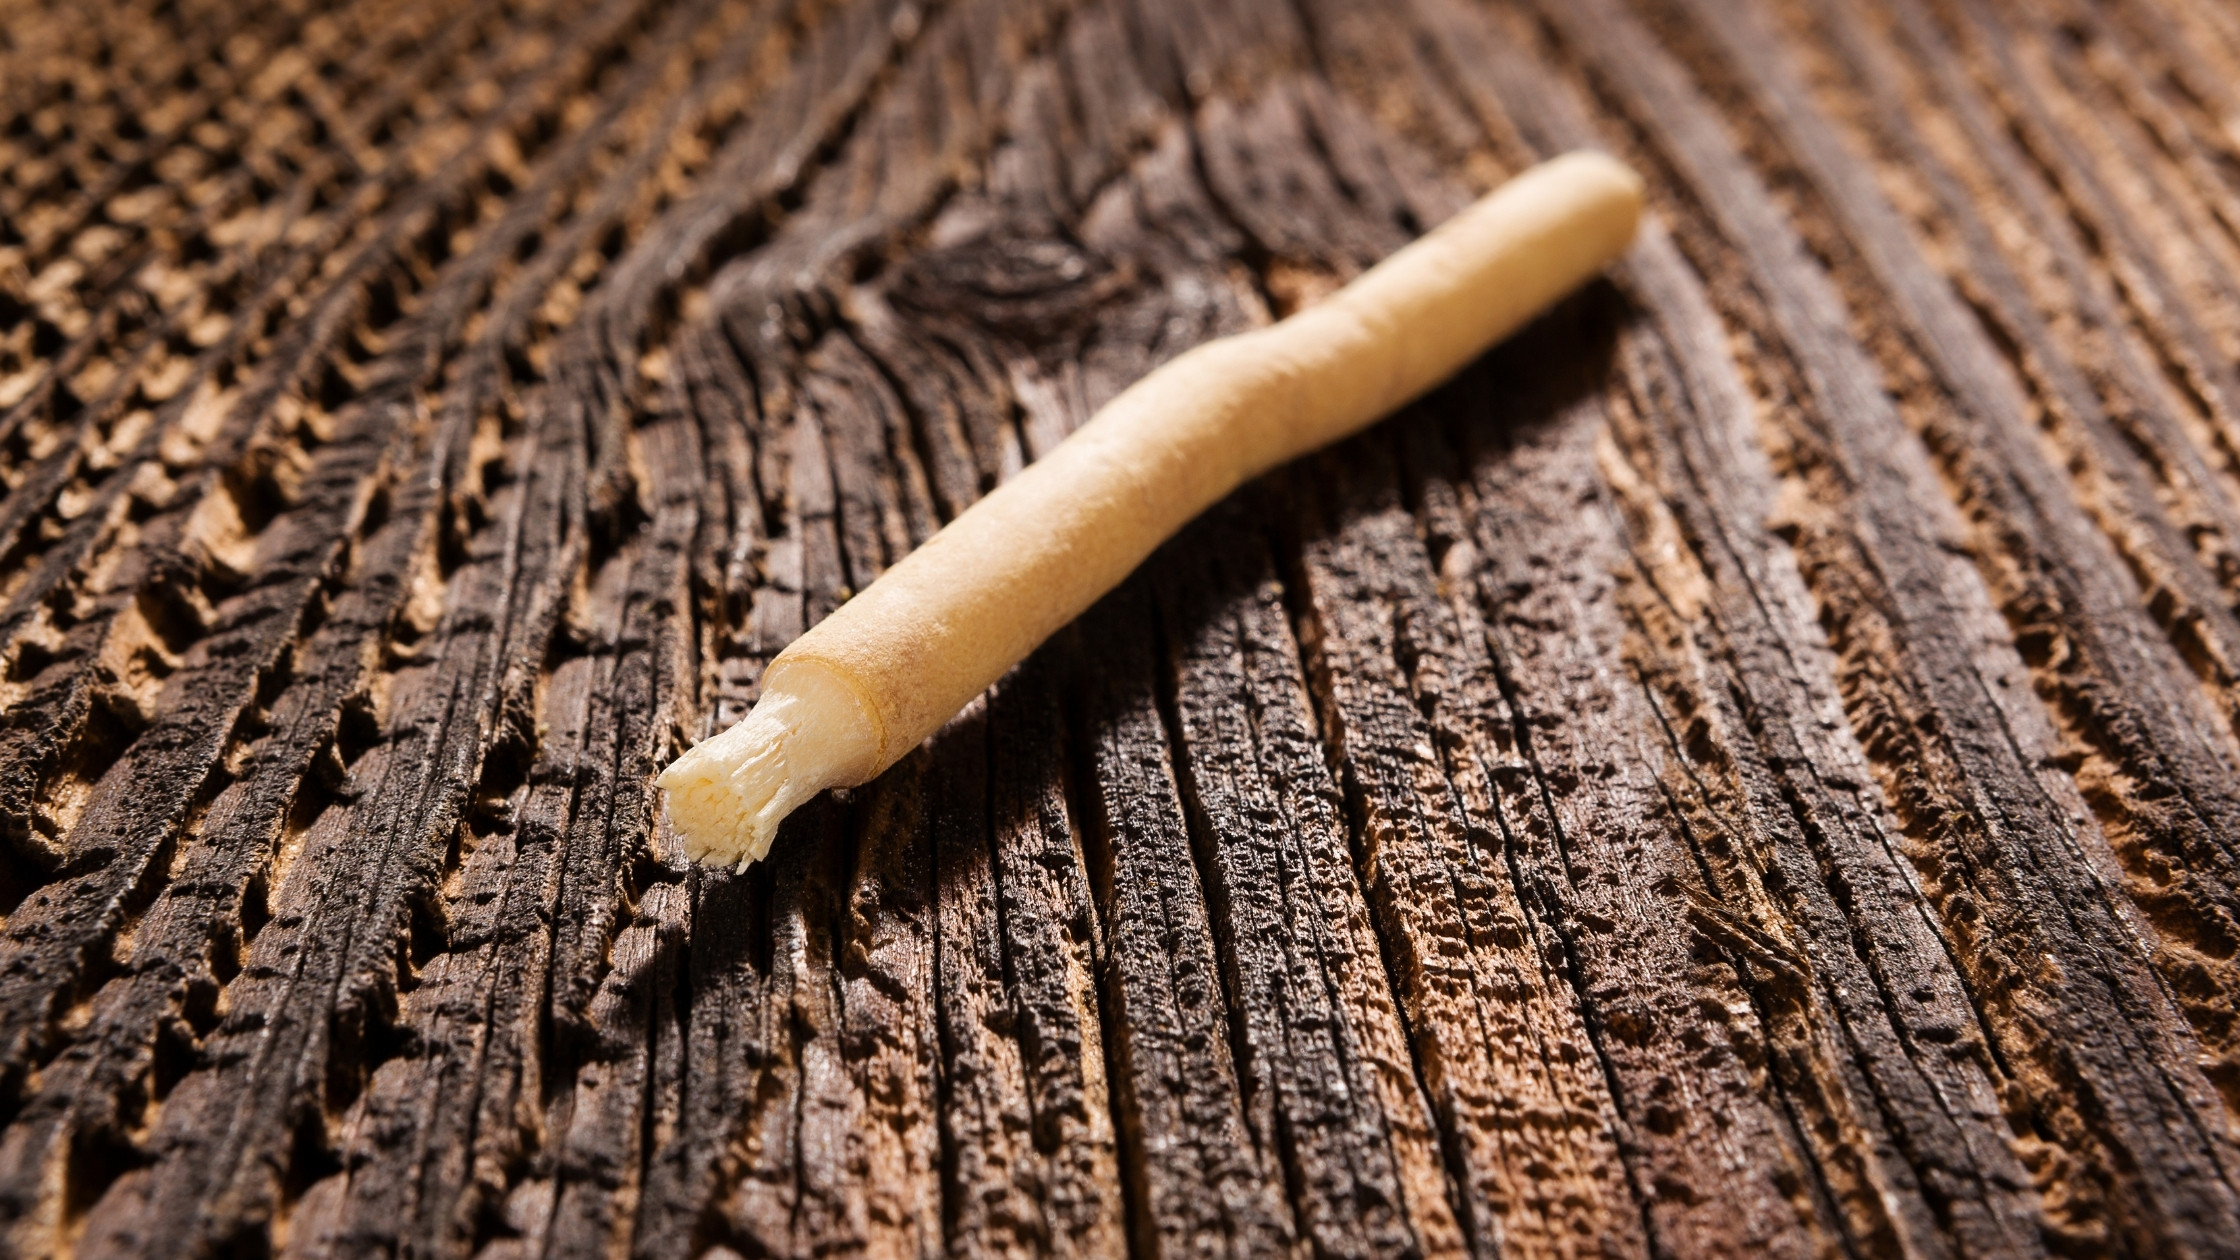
(1750, 767)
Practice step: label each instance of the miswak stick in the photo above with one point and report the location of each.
(890, 666)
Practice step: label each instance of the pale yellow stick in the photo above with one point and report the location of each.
(886, 670)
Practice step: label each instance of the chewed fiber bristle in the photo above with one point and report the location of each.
(728, 794)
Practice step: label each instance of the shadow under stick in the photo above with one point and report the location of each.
(890, 666)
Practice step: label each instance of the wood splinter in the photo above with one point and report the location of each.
(890, 666)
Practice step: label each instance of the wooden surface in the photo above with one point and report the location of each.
(1749, 769)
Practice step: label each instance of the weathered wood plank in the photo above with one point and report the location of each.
(1749, 767)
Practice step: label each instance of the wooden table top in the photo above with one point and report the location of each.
(1749, 768)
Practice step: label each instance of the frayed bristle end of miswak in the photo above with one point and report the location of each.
(727, 795)
(809, 731)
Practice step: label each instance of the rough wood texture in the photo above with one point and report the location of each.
(1750, 768)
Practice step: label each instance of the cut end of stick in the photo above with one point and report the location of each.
(728, 794)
